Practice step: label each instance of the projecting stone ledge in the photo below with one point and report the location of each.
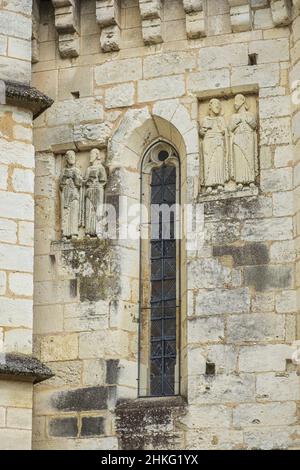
(15, 366)
(25, 96)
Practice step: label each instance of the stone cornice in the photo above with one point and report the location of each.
(24, 368)
(25, 96)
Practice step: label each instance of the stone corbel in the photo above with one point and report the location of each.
(151, 14)
(108, 18)
(241, 16)
(195, 18)
(35, 31)
(281, 12)
(67, 18)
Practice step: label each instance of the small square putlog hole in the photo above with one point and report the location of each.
(252, 59)
(210, 368)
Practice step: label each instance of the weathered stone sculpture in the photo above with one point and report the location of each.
(243, 125)
(108, 13)
(71, 187)
(95, 181)
(214, 148)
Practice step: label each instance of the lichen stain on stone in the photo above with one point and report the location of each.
(96, 266)
(148, 425)
(235, 208)
(247, 255)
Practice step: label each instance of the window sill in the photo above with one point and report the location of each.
(152, 403)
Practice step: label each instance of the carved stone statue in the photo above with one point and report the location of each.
(214, 148)
(71, 186)
(95, 182)
(244, 150)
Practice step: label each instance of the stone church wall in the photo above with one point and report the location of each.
(149, 72)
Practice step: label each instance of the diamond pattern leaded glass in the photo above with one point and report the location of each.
(163, 287)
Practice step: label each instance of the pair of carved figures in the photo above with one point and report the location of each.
(229, 153)
(82, 199)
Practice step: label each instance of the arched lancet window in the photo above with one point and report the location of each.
(160, 295)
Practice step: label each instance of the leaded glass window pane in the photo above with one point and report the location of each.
(163, 286)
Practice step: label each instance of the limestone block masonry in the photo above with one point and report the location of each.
(86, 89)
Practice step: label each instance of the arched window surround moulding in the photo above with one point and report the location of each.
(168, 121)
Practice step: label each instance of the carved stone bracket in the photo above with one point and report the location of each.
(195, 18)
(240, 15)
(108, 18)
(151, 14)
(281, 12)
(67, 18)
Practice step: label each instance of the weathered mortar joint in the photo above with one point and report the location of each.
(241, 16)
(151, 14)
(67, 19)
(108, 18)
(195, 18)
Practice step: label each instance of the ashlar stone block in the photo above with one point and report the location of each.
(223, 301)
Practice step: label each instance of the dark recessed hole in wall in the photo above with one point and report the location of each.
(75, 94)
(52, 259)
(73, 288)
(210, 368)
(252, 59)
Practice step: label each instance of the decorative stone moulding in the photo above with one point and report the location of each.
(241, 15)
(151, 14)
(67, 18)
(35, 31)
(108, 18)
(25, 96)
(195, 18)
